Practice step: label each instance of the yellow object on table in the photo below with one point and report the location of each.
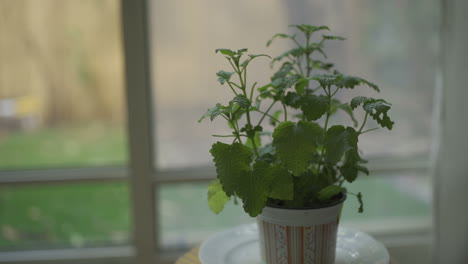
(190, 257)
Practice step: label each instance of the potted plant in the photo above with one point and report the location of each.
(291, 178)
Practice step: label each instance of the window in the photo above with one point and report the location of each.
(62, 129)
(392, 43)
(63, 112)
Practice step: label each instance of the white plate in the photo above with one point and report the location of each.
(240, 245)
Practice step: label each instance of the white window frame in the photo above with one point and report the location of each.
(141, 173)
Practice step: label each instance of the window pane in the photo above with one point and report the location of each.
(393, 200)
(185, 218)
(57, 216)
(392, 43)
(61, 84)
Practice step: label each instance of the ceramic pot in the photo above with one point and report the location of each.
(299, 236)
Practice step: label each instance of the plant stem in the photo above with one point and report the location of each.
(236, 131)
(232, 65)
(307, 56)
(285, 112)
(299, 66)
(232, 88)
(329, 110)
(252, 90)
(335, 91)
(236, 85)
(266, 114)
(325, 128)
(369, 130)
(363, 123)
(243, 81)
(224, 135)
(270, 116)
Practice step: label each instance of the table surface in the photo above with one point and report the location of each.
(191, 257)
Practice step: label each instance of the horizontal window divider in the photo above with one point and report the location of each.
(180, 175)
(399, 164)
(189, 174)
(118, 254)
(63, 175)
(206, 172)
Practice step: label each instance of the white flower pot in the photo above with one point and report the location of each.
(299, 236)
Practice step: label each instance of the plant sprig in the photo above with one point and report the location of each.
(306, 163)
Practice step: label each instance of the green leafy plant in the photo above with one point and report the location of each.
(304, 161)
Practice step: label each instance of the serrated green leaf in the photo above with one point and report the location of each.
(342, 81)
(292, 99)
(264, 181)
(329, 191)
(266, 91)
(349, 172)
(232, 162)
(357, 101)
(314, 106)
(362, 169)
(279, 35)
(309, 29)
(376, 108)
(241, 100)
(317, 64)
(253, 188)
(361, 204)
(237, 112)
(296, 52)
(280, 84)
(339, 141)
(282, 186)
(241, 51)
(301, 85)
(215, 111)
(312, 47)
(295, 144)
(217, 198)
(224, 76)
(328, 37)
(227, 52)
(251, 57)
(282, 72)
(306, 188)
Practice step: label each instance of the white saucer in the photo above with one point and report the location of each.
(240, 245)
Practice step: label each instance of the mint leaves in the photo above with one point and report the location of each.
(329, 191)
(296, 143)
(232, 162)
(224, 76)
(342, 81)
(262, 182)
(217, 198)
(301, 159)
(254, 184)
(339, 141)
(376, 108)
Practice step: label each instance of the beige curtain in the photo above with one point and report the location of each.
(451, 167)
